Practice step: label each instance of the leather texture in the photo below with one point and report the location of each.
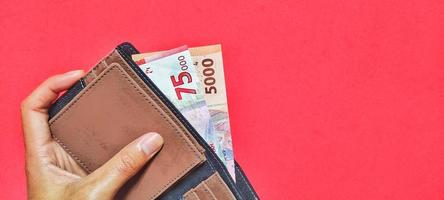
(211, 188)
(116, 103)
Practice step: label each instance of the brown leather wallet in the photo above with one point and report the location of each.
(114, 104)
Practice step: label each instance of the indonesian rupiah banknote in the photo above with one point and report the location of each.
(209, 65)
(174, 74)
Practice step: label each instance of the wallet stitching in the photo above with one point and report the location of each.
(245, 180)
(71, 153)
(195, 195)
(188, 194)
(207, 190)
(122, 73)
(218, 179)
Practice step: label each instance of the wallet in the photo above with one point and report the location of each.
(115, 103)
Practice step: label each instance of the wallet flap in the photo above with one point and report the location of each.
(112, 111)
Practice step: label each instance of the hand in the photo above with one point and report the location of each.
(52, 173)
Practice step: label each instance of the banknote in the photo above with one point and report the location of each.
(209, 64)
(175, 75)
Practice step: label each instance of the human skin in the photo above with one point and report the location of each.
(52, 173)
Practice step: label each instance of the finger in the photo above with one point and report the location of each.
(42, 97)
(35, 107)
(109, 178)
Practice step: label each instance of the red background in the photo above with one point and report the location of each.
(329, 99)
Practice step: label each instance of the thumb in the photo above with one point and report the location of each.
(110, 177)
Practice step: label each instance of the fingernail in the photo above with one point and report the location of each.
(151, 143)
(72, 73)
